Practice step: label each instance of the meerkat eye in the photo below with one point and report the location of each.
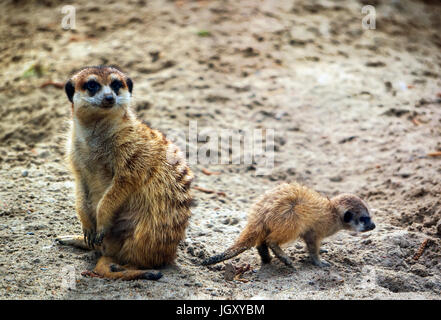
(92, 86)
(116, 85)
(348, 216)
(365, 219)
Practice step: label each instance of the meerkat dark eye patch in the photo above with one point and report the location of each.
(92, 86)
(116, 85)
(348, 216)
(129, 84)
(365, 220)
(70, 90)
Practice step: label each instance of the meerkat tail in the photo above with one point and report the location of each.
(108, 268)
(247, 240)
(228, 254)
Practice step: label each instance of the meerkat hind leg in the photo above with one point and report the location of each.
(110, 269)
(264, 253)
(278, 252)
(75, 241)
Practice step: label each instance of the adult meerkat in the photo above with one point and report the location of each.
(290, 211)
(132, 184)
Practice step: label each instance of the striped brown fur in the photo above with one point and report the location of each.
(132, 202)
(290, 211)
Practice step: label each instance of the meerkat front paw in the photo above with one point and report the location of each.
(100, 234)
(102, 229)
(89, 236)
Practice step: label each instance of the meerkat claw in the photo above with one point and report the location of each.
(99, 238)
(89, 236)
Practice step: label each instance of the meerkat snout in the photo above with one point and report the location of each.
(108, 100)
(367, 223)
(355, 213)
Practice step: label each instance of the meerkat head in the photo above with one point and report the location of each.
(354, 212)
(99, 90)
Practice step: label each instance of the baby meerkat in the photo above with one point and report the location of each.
(290, 211)
(132, 184)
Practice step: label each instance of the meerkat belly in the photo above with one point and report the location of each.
(97, 186)
(95, 168)
(98, 178)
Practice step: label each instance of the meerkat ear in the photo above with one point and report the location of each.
(70, 90)
(129, 84)
(348, 216)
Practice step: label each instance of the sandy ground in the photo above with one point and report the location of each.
(354, 110)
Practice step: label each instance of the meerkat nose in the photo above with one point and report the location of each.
(109, 99)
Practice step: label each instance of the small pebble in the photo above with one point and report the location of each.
(405, 174)
(44, 154)
(230, 272)
(336, 179)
